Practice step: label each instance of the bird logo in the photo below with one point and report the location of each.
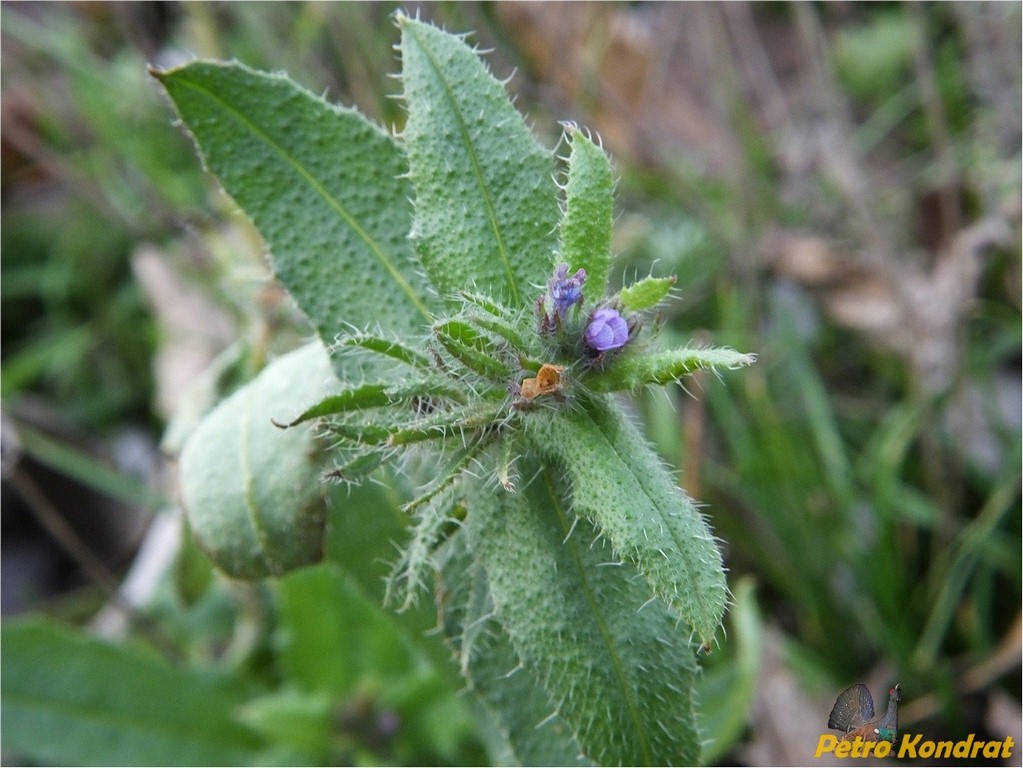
(853, 714)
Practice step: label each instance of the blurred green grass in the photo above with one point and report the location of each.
(872, 516)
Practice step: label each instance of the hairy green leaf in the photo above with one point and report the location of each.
(391, 348)
(375, 396)
(458, 421)
(619, 483)
(74, 700)
(631, 372)
(434, 512)
(471, 348)
(390, 429)
(325, 187)
(356, 468)
(350, 399)
(485, 199)
(617, 665)
(645, 293)
(252, 491)
(522, 726)
(589, 211)
(375, 434)
(495, 318)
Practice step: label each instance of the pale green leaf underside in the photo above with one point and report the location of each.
(252, 491)
(324, 186)
(621, 485)
(73, 700)
(589, 209)
(617, 664)
(485, 198)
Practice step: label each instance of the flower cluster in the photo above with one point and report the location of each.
(605, 329)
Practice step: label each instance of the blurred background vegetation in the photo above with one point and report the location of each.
(837, 187)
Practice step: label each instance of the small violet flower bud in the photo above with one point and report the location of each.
(565, 292)
(606, 330)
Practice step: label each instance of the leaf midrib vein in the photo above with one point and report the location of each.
(605, 634)
(671, 530)
(476, 167)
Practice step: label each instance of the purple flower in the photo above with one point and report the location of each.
(606, 330)
(565, 292)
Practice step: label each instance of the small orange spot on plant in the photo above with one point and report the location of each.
(548, 381)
